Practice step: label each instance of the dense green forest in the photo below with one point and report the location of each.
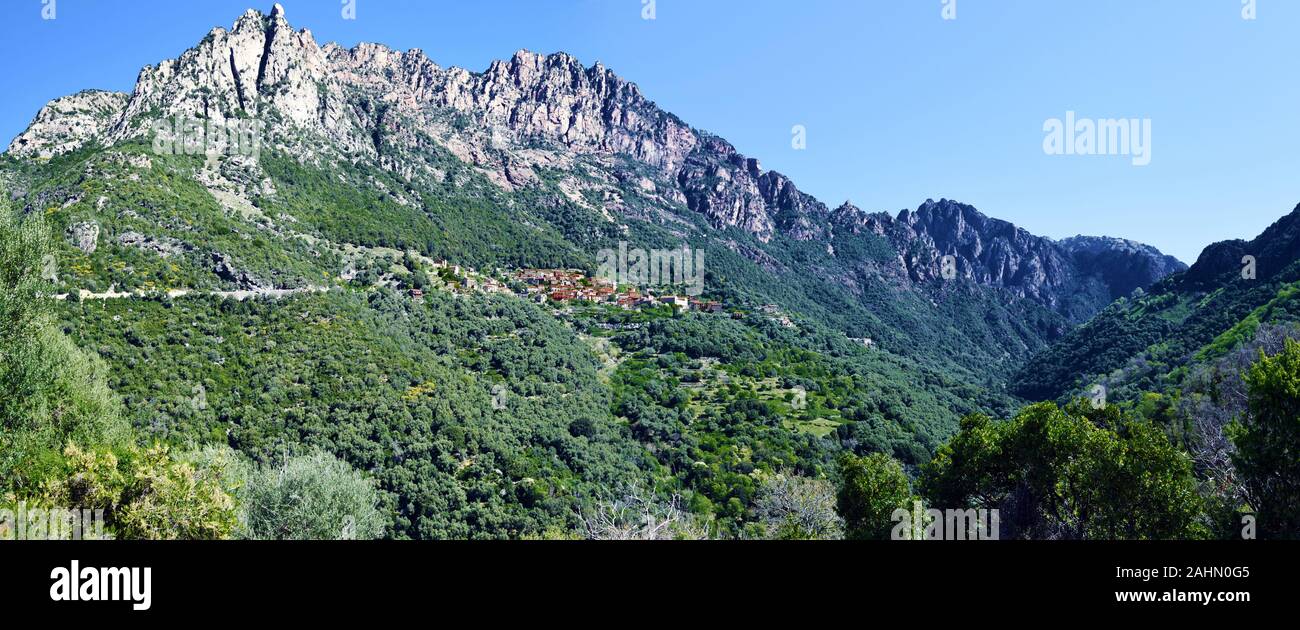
(489, 416)
(1149, 342)
(478, 415)
(447, 401)
(68, 443)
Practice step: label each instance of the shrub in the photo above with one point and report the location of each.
(145, 493)
(312, 497)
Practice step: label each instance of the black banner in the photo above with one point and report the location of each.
(734, 580)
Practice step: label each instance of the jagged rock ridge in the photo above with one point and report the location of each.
(535, 112)
(1075, 277)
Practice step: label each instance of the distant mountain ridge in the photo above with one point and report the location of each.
(1273, 250)
(1075, 277)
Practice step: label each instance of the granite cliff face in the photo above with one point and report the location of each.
(533, 111)
(69, 122)
(1075, 277)
(535, 114)
(989, 251)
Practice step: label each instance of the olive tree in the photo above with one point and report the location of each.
(311, 497)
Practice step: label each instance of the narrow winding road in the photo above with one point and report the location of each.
(240, 295)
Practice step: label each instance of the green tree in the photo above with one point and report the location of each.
(53, 393)
(1078, 473)
(871, 489)
(1267, 441)
(312, 497)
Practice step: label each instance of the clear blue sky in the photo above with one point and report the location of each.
(899, 104)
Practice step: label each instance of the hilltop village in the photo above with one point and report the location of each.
(558, 286)
(568, 285)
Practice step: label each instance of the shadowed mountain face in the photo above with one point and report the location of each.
(1122, 265)
(1271, 252)
(1075, 277)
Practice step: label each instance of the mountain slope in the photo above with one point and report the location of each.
(1144, 343)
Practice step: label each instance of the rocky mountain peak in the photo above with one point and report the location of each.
(961, 225)
(989, 251)
(524, 114)
(847, 214)
(1123, 265)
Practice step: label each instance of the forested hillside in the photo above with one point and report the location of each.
(335, 335)
(1147, 342)
(1199, 354)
